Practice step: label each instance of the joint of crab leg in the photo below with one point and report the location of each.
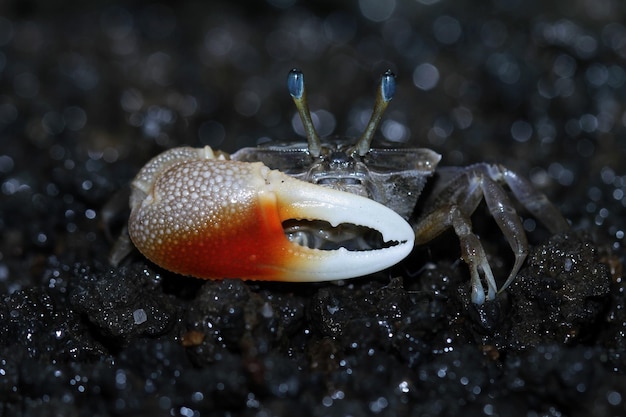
(295, 84)
(384, 94)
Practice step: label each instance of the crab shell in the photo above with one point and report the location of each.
(198, 214)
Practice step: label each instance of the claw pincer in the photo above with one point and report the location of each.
(208, 217)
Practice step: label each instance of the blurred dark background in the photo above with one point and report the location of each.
(536, 86)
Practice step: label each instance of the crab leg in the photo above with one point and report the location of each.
(474, 256)
(535, 202)
(457, 196)
(508, 221)
(211, 218)
(457, 215)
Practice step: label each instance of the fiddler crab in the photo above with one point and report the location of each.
(320, 211)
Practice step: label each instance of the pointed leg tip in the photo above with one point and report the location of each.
(478, 295)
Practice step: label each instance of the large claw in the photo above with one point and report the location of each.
(199, 215)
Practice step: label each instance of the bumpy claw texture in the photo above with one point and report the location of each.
(197, 214)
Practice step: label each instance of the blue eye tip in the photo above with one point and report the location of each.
(295, 83)
(388, 85)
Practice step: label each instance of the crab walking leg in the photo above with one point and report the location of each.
(457, 216)
(212, 218)
(534, 201)
(458, 193)
(474, 256)
(508, 221)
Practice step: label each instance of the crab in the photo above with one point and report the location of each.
(321, 211)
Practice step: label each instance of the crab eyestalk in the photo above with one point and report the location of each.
(295, 84)
(384, 94)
